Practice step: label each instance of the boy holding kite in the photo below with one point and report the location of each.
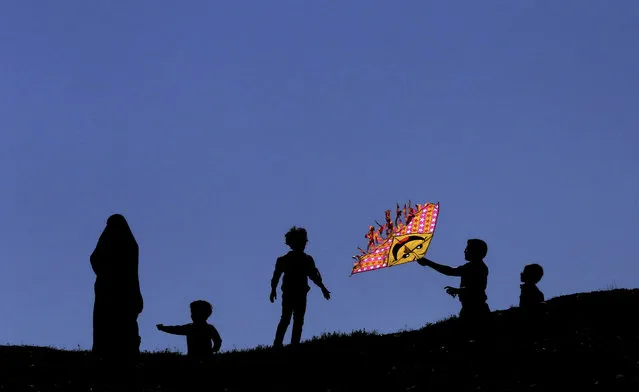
(474, 279)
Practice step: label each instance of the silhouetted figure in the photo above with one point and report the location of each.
(474, 278)
(199, 334)
(530, 295)
(297, 267)
(531, 305)
(118, 300)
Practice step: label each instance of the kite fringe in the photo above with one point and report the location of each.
(408, 213)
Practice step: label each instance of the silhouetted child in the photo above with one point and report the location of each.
(474, 279)
(531, 304)
(199, 333)
(297, 267)
(531, 297)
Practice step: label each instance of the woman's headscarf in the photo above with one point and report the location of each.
(117, 250)
(115, 261)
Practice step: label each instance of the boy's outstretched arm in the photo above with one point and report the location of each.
(275, 279)
(173, 329)
(217, 339)
(442, 269)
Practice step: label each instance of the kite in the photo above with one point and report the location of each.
(400, 241)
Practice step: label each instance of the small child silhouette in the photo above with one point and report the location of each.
(531, 296)
(199, 333)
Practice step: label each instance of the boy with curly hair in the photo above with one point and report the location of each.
(297, 267)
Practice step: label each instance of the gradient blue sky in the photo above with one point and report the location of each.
(215, 126)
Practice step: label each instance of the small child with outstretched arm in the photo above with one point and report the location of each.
(199, 333)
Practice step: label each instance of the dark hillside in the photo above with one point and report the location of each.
(588, 341)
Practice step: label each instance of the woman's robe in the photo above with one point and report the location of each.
(118, 300)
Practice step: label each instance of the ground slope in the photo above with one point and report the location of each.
(588, 341)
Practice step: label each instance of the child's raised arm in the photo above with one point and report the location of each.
(442, 269)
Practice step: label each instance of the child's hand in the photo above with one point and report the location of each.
(160, 326)
(273, 296)
(452, 291)
(423, 261)
(327, 294)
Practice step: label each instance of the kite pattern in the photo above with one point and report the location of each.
(400, 241)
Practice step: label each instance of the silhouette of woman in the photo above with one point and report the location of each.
(118, 300)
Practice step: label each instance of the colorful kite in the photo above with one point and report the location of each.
(400, 241)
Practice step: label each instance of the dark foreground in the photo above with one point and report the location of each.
(589, 341)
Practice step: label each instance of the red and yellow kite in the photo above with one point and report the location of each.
(400, 241)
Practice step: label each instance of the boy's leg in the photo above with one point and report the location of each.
(285, 320)
(298, 319)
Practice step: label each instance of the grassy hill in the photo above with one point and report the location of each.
(588, 341)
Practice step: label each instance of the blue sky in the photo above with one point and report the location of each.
(216, 126)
